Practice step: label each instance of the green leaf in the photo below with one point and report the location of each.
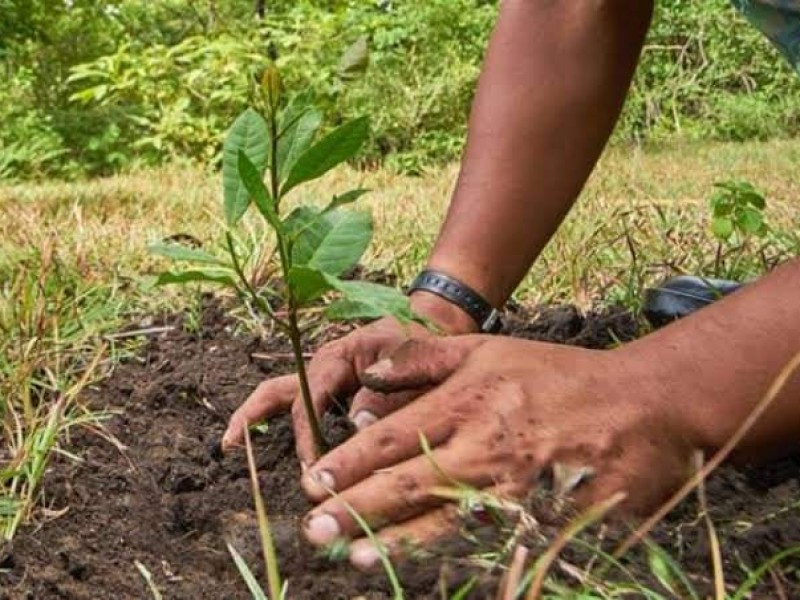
(346, 198)
(9, 506)
(722, 228)
(299, 220)
(333, 241)
(251, 178)
(196, 276)
(720, 205)
(660, 568)
(178, 252)
(355, 59)
(248, 134)
(296, 136)
(751, 221)
(364, 300)
(307, 284)
(247, 575)
(755, 199)
(669, 573)
(338, 146)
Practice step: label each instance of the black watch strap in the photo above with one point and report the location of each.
(463, 296)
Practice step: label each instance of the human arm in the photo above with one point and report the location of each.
(506, 411)
(554, 80)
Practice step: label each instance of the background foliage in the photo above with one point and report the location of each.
(92, 87)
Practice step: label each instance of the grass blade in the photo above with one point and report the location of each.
(713, 538)
(391, 574)
(267, 544)
(148, 578)
(744, 590)
(592, 514)
(250, 580)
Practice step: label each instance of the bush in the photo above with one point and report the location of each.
(152, 82)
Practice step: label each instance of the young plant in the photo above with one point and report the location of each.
(314, 246)
(737, 216)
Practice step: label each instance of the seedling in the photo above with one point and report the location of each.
(314, 246)
(737, 216)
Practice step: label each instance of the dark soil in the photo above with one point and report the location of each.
(162, 500)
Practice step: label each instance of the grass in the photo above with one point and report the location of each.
(74, 266)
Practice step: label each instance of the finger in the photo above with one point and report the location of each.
(419, 363)
(403, 540)
(400, 541)
(393, 495)
(368, 406)
(271, 397)
(331, 374)
(386, 443)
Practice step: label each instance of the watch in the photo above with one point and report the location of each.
(471, 302)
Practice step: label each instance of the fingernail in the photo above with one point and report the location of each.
(325, 479)
(379, 369)
(363, 419)
(322, 529)
(364, 555)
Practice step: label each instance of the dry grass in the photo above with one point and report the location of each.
(74, 265)
(653, 203)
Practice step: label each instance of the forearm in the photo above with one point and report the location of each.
(554, 80)
(715, 366)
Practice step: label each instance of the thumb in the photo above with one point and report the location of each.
(420, 363)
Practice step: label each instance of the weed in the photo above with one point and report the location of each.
(148, 579)
(247, 575)
(264, 528)
(51, 348)
(737, 210)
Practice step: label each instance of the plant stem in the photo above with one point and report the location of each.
(320, 444)
(264, 526)
(293, 330)
(262, 304)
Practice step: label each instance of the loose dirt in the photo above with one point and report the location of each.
(162, 500)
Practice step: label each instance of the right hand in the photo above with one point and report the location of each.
(335, 371)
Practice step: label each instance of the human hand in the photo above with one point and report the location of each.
(334, 372)
(506, 412)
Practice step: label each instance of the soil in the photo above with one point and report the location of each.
(162, 499)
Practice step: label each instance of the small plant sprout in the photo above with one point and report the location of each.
(737, 208)
(277, 141)
(737, 216)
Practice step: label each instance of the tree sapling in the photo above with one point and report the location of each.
(314, 246)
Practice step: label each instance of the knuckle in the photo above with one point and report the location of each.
(408, 490)
(330, 351)
(262, 390)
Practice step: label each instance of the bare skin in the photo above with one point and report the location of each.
(503, 410)
(506, 410)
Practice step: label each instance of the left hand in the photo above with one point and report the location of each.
(504, 413)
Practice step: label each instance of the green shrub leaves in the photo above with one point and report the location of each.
(341, 144)
(332, 241)
(248, 134)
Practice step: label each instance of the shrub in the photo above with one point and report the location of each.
(155, 82)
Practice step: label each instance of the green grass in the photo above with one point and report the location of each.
(74, 266)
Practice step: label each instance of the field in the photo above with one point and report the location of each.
(112, 390)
